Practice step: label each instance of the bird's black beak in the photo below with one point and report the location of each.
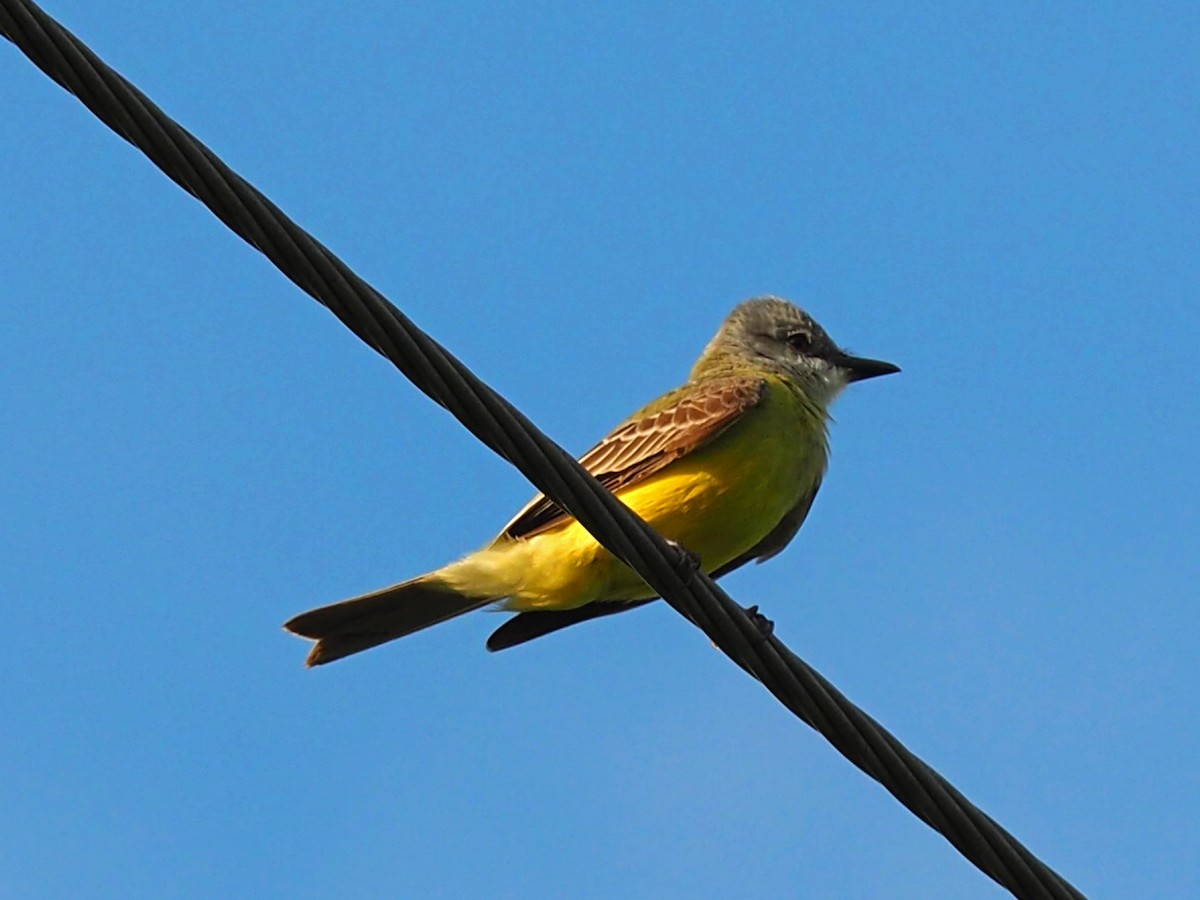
(859, 368)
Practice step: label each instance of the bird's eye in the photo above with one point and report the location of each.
(800, 341)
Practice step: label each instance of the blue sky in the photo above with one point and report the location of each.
(1001, 567)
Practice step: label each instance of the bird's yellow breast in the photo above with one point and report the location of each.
(718, 502)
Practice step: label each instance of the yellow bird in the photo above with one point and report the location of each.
(726, 466)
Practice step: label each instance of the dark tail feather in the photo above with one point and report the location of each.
(529, 625)
(372, 619)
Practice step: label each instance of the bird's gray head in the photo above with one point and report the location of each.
(770, 334)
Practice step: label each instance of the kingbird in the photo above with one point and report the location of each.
(726, 466)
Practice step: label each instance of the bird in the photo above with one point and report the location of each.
(726, 466)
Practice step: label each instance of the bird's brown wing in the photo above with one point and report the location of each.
(668, 429)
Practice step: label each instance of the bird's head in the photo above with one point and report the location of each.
(772, 335)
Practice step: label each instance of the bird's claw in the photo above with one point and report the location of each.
(686, 557)
(765, 626)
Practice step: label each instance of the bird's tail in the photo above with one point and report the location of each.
(363, 622)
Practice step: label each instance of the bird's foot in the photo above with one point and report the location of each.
(690, 560)
(765, 626)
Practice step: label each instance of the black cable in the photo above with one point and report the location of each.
(506, 431)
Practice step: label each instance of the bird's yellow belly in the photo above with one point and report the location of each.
(718, 502)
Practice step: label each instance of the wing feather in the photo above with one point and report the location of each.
(668, 429)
